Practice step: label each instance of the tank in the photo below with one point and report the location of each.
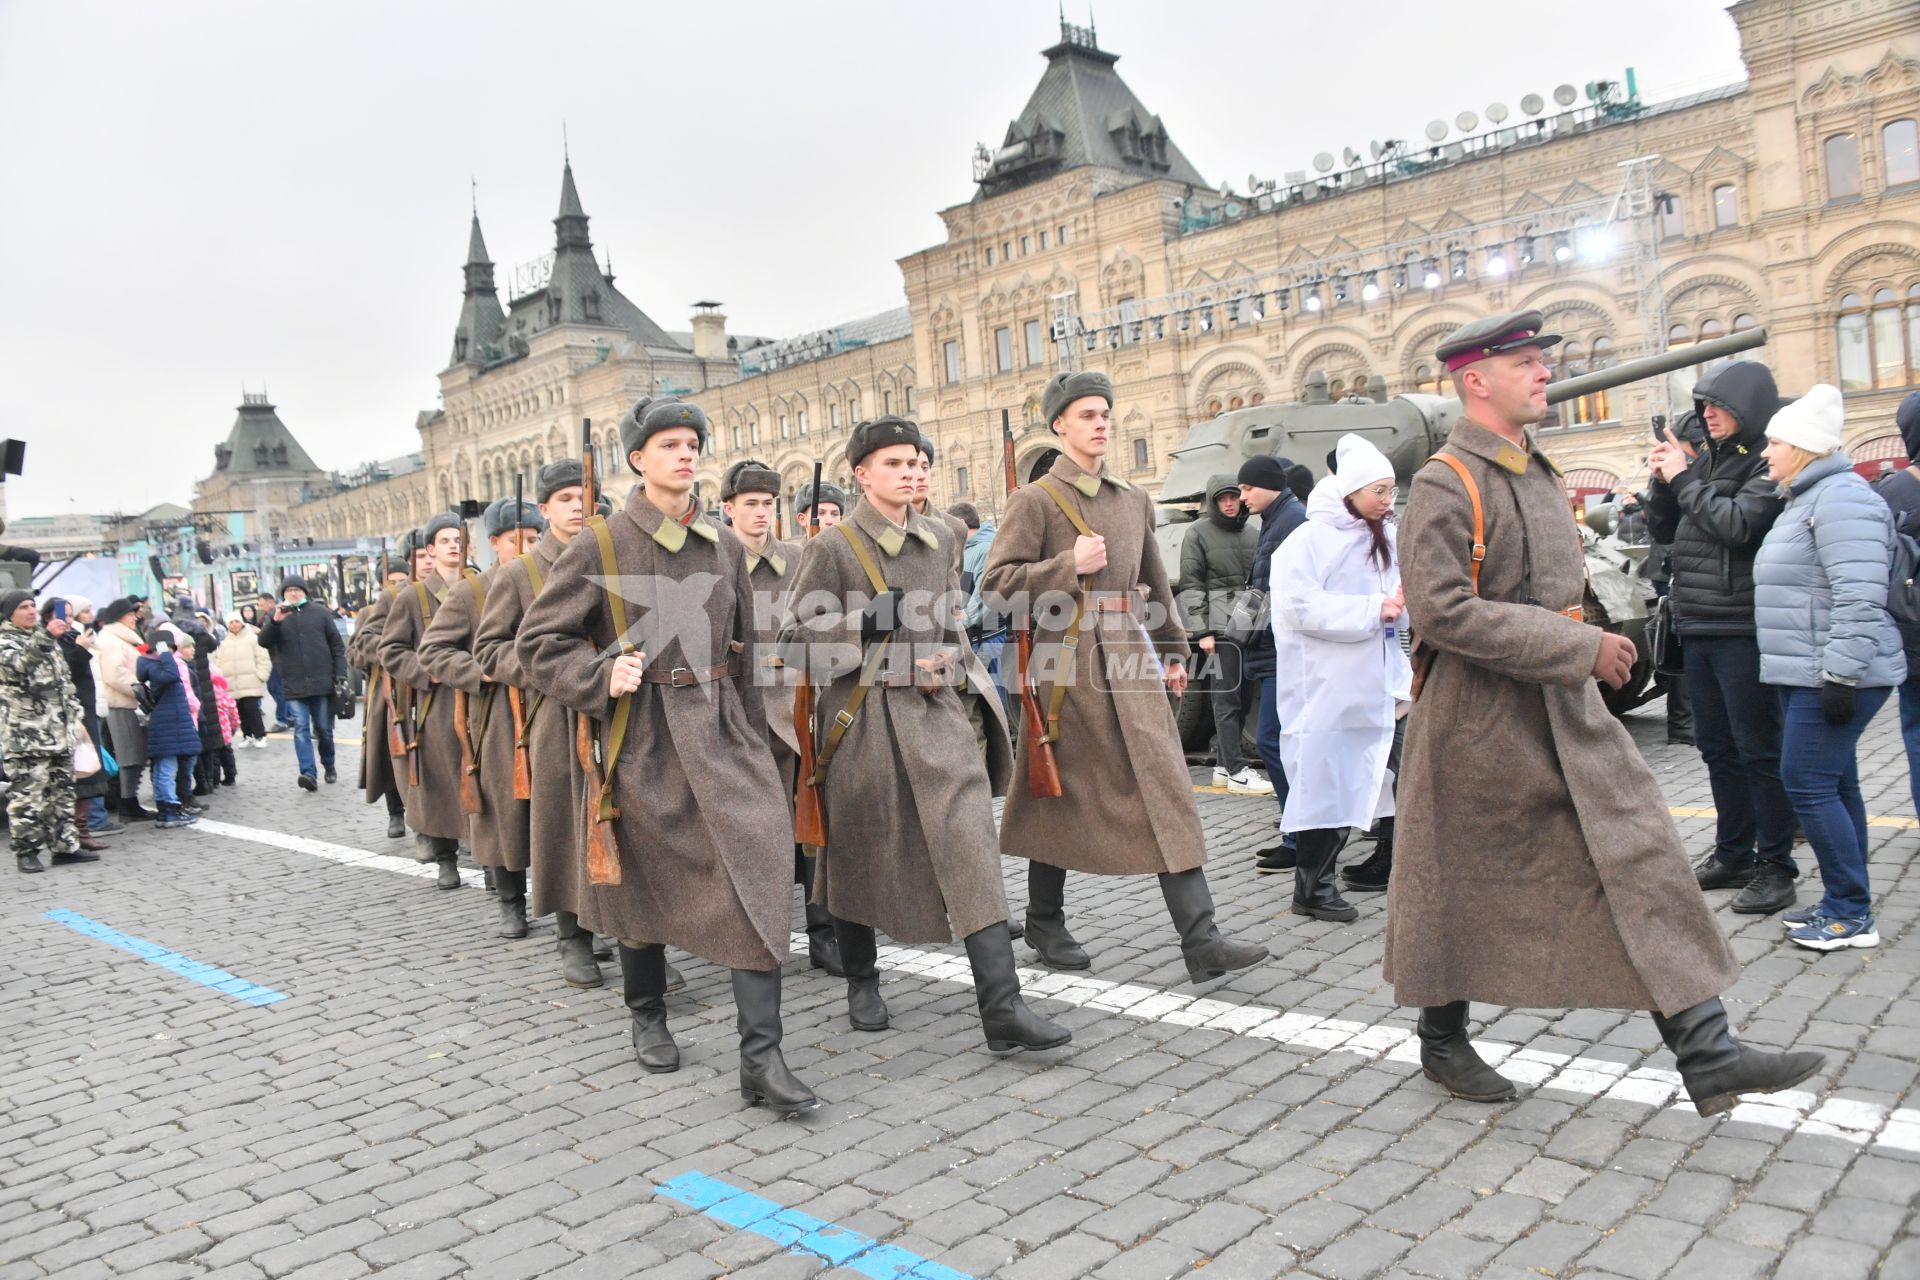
(1408, 428)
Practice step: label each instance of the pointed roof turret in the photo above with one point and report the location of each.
(578, 291)
(1082, 113)
(477, 338)
(570, 227)
(260, 443)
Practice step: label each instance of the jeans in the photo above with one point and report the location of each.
(1267, 735)
(96, 813)
(312, 718)
(278, 693)
(1736, 725)
(1231, 696)
(1822, 775)
(166, 772)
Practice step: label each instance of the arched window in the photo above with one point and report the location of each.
(1213, 410)
(1428, 382)
(1877, 339)
(1900, 152)
(1843, 166)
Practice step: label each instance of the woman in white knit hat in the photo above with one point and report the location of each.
(1341, 677)
(1829, 645)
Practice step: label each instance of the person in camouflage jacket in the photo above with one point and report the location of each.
(39, 718)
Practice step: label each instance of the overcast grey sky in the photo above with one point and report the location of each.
(196, 196)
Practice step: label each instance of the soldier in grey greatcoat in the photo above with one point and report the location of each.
(379, 779)
(499, 833)
(749, 495)
(556, 862)
(703, 847)
(1113, 650)
(432, 804)
(1517, 787)
(908, 801)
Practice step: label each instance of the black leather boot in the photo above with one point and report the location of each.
(823, 948)
(764, 1078)
(1009, 1025)
(1448, 1058)
(865, 1009)
(1190, 903)
(1679, 710)
(130, 807)
(1372, 875)
(487, 881)
(1314, 894)
(643, 973)
(449, 877)
(396, 816)
(512, 888)
(1047, 919)
(1716, 1069)
(575, 946)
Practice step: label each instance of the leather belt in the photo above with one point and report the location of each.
(687, 677)
(1114, 604)
(915, 679)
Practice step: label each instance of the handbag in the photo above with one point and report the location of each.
(342, 701)
(1251, 615)
(1663, 639)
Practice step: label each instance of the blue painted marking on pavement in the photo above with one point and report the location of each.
(799, 1232)
(153, 953)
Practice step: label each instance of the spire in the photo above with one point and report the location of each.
(477, 337)
(477, 248)
(570, 228)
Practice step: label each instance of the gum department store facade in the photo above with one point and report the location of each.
(1795, 204)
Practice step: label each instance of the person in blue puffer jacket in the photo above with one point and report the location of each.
(1829, 645)
(173, 735)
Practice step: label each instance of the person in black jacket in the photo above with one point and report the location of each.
(1901, 489)
(311, 659)
(1714, 510)
(1266, 489)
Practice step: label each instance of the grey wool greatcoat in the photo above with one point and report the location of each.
(1126, 806)
(706, 846)
(770, 577)
(377, 776)
(498, 833)
(558, 866)
(1535, 863)
(433, 807)
(909, 802)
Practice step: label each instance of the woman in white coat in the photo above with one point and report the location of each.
(1341, 677)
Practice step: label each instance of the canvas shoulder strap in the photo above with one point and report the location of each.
(623, 706)
(1479, 549)
(535, 698)
(843, 719)
(1057, 696)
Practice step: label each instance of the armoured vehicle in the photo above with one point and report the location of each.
(1408, 428)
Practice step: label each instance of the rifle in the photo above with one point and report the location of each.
(1043, 771)
(603, 854)
(469, 763)
(522, 764)
(809, 817)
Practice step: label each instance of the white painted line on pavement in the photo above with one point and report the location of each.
(1861, 1123)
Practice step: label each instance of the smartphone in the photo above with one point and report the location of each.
(60, 610)
(1659, 428)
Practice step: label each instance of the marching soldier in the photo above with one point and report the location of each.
(833, 504)
(749, 492)
(432, 764)
(1518, 788)
(1083, 535)
(923, 503)
(541, 733)
(497, 825)
(643, 629)
(379, 778)
(908, 802)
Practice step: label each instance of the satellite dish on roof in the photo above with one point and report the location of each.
(1565, 95)
(1455, 151)
(1436, 130)
(1533, 104)
(1466, 121)
(1374, 148)
(1323, 162)
(1497, 112)
(1351, 156)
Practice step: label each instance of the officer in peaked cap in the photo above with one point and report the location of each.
(1475, 341)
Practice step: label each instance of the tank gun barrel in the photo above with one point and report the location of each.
(1653, 366)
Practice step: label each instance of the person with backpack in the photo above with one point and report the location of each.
(1901, 491)
(1826, 639)
(1712, 508)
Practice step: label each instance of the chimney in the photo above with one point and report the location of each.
(709, 331)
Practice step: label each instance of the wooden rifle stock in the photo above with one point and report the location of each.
(522, 764)
(1043, 771)
(469, 767)
(809, 815)
(603, 853)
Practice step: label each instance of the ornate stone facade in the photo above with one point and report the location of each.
(1794, 203)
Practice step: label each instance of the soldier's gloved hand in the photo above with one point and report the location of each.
(1836, 702)
(881, 617)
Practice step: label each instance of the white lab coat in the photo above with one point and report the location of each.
(1340, 675)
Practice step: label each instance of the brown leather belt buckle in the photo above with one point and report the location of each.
(1114, 604)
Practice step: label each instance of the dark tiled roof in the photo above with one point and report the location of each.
(260, 444)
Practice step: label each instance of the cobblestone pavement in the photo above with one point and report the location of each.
(430, 1101)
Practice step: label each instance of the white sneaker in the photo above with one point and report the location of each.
(1221, 777)
(1248, 783)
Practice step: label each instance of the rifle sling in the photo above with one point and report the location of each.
(1057, 696)
(426, 617)
(623, 706)
(843, 719)
(533, 699)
